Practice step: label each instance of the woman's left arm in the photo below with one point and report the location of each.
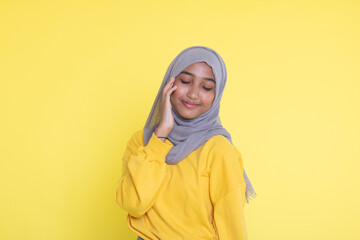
(227, 191)
(229, 216)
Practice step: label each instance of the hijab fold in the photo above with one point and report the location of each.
(188, 135)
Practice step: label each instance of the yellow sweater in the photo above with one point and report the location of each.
(202, 197)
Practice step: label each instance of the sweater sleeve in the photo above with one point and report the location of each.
(227, 191)
(143, 172)
(229, 216)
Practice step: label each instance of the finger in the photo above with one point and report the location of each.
(169, 84)
(171, 90)
(167, 101)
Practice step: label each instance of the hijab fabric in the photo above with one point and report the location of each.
(188, 135)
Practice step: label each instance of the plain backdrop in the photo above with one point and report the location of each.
(78, 78)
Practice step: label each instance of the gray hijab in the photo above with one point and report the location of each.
(188, 135)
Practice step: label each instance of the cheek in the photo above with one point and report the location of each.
(175, 94)
(179, 91)
(208, 99)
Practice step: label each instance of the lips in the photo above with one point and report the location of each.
(190, 105)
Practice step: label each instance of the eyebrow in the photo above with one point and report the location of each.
(187, 73)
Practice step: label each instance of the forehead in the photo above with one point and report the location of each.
(199, 69)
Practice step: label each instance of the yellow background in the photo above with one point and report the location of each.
(79, 77)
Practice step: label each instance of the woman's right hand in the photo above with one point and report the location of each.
(167, 119)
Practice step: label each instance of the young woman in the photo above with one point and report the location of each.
(182, 178)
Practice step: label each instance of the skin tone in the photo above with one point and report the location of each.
(191, 93)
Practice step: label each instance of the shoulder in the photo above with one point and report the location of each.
(219, 151)
(137, 139)
(138, 135)
(220, 145)
(218, 141)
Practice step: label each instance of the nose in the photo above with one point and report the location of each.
(193, 92)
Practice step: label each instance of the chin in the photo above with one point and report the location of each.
(187, 115)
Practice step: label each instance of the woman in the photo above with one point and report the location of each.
(182, 177)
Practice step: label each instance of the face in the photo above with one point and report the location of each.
(195, 90)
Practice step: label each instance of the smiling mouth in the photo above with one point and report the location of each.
(190, 105)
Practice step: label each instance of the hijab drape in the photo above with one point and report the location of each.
(189, 134)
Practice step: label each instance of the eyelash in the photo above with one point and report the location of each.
(184, 82)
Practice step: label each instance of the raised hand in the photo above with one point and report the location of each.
(167, 119)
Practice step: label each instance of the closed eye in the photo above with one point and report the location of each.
(184, 82)
(207, 89)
